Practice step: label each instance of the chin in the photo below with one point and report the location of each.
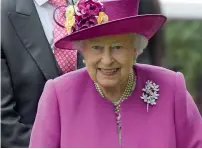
(108, 83)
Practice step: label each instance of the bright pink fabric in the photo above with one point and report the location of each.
(71, 113)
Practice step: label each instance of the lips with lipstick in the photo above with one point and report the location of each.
(108, 72)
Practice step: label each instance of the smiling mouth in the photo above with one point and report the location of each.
(108, 72)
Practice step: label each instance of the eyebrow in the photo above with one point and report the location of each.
(95, 42)
(99, 42)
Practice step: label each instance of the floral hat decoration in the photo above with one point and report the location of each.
(83, 15)
(86, 19)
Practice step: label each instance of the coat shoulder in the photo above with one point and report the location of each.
(159, 75)
(155, 69)
(72, 79)
(8, 6)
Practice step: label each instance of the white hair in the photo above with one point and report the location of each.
(140, 43)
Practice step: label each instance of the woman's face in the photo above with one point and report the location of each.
(109, 59)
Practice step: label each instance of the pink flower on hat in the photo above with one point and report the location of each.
(89, 8)
(82, 23)
(87, 13)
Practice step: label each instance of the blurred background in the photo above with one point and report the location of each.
(178, 45)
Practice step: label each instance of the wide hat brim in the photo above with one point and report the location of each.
(146, 25)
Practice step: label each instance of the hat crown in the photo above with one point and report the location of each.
(117, 9)
(96, 18)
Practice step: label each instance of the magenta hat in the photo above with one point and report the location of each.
(95, 18)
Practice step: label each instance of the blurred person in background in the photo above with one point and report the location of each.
(28, 60)
(154, 53)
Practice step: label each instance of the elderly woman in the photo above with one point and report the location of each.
(112, 102)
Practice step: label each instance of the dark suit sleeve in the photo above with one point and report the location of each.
(13, 133)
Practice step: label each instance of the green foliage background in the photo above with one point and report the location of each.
(184, 49)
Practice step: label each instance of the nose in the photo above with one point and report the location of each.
(107, 58)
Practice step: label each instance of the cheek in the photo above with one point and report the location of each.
(125, 71)
(91, 62)
(91, 68)
(125, 60)
(92, 74)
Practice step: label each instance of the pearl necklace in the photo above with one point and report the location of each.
(129, 88)
(128, 91)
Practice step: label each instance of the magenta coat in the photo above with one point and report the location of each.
(71, 113)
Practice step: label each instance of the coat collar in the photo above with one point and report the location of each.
(27, 25)
(41, 2)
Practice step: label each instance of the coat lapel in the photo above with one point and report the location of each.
(29, 29)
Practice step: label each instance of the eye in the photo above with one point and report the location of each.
(97, 47)
(117, 47)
